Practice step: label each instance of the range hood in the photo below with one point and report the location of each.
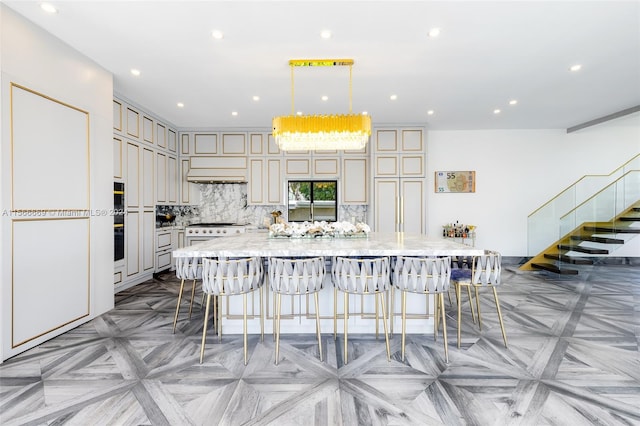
(217, 169)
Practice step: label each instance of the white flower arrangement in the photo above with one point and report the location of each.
(319, 229)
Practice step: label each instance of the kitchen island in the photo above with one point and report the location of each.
(298, 311)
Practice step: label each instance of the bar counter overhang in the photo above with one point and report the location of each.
(298, 311)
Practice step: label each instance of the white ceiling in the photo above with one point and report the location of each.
(487, 54)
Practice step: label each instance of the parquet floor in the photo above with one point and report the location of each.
(573, 359)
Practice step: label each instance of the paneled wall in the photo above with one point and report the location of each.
(56, 177)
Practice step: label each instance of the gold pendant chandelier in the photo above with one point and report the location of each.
(321, 132)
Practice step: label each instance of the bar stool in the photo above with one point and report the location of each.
(485, 272)
(187, 268)
(230, 277)
(423, 276)
(296, 276)
(363, 276)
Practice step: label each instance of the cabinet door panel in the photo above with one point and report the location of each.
(256, 181)
(386, 205)
(161, 184)
(132, 187)
(148, 196)
(234, 144)
(205, 143)
(412, 206)
(274, 182)
(161, 135)
(148, 232)
(117, 158)
(386, 141)
(147, 129)
(172, 179)
(412, 140)
(412, 165)
(133, 123)
(173, 142)
(387, 165)
(132, 235)
(354, 181)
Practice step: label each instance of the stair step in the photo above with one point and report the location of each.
(569, 259)
(629, 219)
(554, 268)
(603, 240)
(612, 230)
(582, 249)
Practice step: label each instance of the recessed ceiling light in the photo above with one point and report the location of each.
(393, 97)
(513, 102)
(325, 98)
(180, 105)
(430, 112)
(234, 113)
(48, 7)
(256, 98)
(217, 34)
(575, 67)
(496, 111)
(135, 72)
(434, 32)
(326, 34)
(365, 113)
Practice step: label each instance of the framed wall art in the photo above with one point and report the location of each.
(455, 181)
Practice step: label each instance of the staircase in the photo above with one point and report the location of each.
(558, 255)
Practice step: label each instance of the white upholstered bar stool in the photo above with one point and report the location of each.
(230, 277)
(485, 272)
(294, 277)
(423, 276)
(187, 268)
(363, 276)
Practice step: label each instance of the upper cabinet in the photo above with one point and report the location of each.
(215, 143)
(399, 153)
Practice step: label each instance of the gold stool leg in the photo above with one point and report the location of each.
(386, 332)
(261, 318)
(244, 324)
(478, 305)
(444, 327)
(404, 320)
(215, 313)
(473, 318)
(335, 312)
(204, 329)
(346, 320)
(377, 315)
(504, 334)
(193, 293)
(277, 324)
(175, 319)
(436, 317)
(315, 296)
(459, 313)
(275, 309)
(391, 308)
(219, 318)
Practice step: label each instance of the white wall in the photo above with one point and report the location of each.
(517, 171)
(32, 58)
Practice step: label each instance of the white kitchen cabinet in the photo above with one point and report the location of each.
(172, 139)
(399, 169)
(354, 183)
(147, 130)
(164, 245)
(132, 185)
(173, 177)
(265, 181)
(399, 205)
(161, 135)
(117, 157)
(234, 144)
(148, 179)
(190, 193)
(161, 179)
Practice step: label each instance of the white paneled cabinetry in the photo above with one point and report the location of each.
(399, 180)
(146, 160)
(265, 171)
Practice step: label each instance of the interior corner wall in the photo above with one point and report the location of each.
(33, 59)
(518, 171)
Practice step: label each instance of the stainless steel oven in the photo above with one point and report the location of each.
(118, 220)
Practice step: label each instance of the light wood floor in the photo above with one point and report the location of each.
(573, 359)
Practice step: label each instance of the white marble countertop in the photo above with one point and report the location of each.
(376, 244)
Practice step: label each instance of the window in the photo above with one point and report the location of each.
(311, 200)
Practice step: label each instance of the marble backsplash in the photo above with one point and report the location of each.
(227, 202)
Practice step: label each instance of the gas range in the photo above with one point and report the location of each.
(211, 230)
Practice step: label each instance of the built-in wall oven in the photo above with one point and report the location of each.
(118, 220)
